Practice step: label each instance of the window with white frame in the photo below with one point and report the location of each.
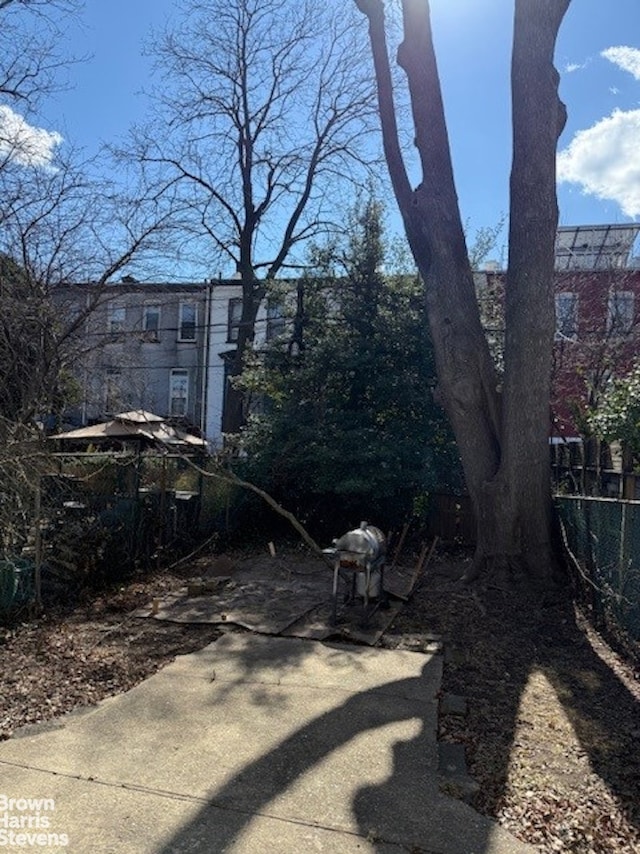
(620, 314)
(178, 392)
(151, 321)
(116, 315)
(275, 319)
(566, 316)
(188, 321)
(235, 316)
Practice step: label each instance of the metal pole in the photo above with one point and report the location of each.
(38, 544)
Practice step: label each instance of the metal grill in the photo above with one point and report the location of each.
(359, 558)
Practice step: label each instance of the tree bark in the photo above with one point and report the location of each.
(538, 120)
(502, 438)
(234, 415)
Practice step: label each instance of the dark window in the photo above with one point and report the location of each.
(621, 312)
(188, 321)
(235, 316)
(566, 316)
(151, 322)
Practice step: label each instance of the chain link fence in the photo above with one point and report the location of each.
(602, 538)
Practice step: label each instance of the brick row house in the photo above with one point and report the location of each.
(164, 347)
(597, 339)
(597, 303)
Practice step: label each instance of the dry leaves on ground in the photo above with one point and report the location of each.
(74, 657)
(552, 732)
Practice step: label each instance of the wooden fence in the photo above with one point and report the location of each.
(452, 519)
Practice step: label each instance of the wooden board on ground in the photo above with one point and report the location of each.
(400, 581)
(349, 625)
(289, 595)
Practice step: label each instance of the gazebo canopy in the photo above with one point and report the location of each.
(136, 425)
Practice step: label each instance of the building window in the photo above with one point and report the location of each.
(275, 319)
(566, 317)
(115, 318)
(188, 321)
(151, 322)
(178, 392)
(235, 316)
(112, 391)
(620, 315)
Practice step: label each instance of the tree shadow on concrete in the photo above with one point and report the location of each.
(503, 647)
(404, 812)
(505, 641)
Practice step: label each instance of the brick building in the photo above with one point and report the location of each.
(597, 302)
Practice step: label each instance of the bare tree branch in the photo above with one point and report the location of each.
(263, 107)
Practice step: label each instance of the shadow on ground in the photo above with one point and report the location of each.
(510, 648)
(376, 744)
(553, 730)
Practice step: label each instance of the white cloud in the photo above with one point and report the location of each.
(605, 160)
(570, 67)
(24, 143)
(626, 58)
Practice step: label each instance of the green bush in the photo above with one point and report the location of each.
(349, 429)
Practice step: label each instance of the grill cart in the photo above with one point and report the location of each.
(359, 557)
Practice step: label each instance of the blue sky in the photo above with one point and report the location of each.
(598, 56)
(601, 156)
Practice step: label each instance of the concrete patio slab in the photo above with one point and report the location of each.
(254, 744)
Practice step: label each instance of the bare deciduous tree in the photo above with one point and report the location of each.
(261, 119)
(57, 225)
(502, 433)
(30, 65)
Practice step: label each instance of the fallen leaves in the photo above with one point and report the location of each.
(76, 658)
(552, 713)
(552, 733)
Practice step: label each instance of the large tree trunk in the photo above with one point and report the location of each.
(503, 443)
(234, 414)
(538, 120)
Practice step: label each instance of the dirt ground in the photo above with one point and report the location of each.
(552, 732)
